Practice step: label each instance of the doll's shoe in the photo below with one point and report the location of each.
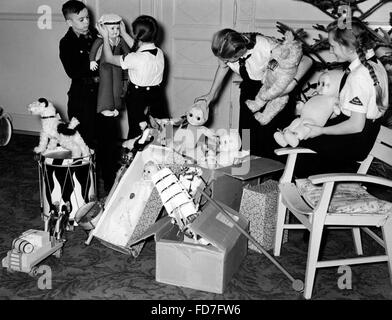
(291, 139)
(280, 140)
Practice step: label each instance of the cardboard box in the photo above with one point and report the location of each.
(228, 183)
(259, 205)
(202, 267)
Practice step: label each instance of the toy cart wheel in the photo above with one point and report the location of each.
(33, 272)
(58, 253)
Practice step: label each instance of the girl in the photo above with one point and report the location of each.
(248, 54)
(363, 100)
(145, 69)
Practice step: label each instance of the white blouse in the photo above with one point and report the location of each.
(257, 63)
(144, 68)
(359, 93)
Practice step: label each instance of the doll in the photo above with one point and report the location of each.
(186, 140)
(317, 110)
(111, 76)
(150, 168)
(228, 150)
(225, 153)
(280, 72)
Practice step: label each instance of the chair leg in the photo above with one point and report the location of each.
(357, 241)
(387, 235)
(280, 220)
(313, 252)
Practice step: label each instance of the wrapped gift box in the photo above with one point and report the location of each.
(259, 205)
(202, 267)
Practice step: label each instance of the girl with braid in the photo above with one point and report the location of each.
(145, 65)
(363, 100)
(248, 55)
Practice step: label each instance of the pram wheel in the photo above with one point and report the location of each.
(33, 272)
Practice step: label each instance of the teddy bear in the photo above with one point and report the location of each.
(317, 110)
(281, 70)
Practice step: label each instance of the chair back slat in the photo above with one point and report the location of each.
(383, 153)
(382, 148)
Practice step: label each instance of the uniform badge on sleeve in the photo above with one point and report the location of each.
(356, 101)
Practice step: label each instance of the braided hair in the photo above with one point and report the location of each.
(358, 37)
(145, 29)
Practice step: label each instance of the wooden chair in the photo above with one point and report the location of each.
(315, 217)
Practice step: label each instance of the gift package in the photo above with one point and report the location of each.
(259, 204)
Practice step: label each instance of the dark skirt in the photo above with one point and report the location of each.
(262, 142)
(337, 153)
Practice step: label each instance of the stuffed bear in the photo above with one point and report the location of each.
(317, 110)
(280, 72)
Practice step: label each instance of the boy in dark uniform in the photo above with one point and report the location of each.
(74, 55)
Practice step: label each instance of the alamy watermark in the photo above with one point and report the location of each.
(45, 19)
(45, 280)
(345, 19)
(184, 142)
(345, 280)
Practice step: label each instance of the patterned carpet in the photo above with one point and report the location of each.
(97, 272)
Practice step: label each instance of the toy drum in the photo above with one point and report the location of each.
(63, 179)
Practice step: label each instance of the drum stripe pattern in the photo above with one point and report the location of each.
(66, 180)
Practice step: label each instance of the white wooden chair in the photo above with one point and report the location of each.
(316, 217)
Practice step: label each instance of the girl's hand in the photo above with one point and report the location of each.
(102, 30)
(93, 65)
(123, 31)
(205, 106)
(315, 131)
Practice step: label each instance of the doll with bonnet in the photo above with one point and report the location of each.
(111, 76)
(317, 110)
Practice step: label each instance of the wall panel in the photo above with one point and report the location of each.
(30, 66)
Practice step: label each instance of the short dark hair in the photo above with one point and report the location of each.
(145, 28)
(72, 6)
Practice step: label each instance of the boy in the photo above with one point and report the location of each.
(74, 55)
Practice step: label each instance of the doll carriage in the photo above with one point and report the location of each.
(64, 180)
